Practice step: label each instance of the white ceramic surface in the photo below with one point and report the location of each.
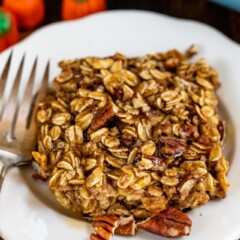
(26, 212)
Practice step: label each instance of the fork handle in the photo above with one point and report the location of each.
(4, 166)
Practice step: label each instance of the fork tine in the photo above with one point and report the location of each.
(44, 85)
(30, 133)
(3, 79)
(11, 106)
(25, 106)
(42, 92)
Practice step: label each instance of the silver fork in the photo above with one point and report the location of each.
(17, 123)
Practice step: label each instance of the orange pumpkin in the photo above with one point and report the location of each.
(29, 13)
(73, 9)
(9, 34)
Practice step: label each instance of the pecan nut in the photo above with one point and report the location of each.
(102, 117)
(168, 223)
(111, 219)
(104, 226)
(103, 233)
(126, 227)
(109, 228)
(94, 236)
(173, 147)
(202, 139)
(187, 131)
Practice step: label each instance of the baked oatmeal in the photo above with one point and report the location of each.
(133, 142)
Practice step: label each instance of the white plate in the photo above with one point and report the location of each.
(28, 214)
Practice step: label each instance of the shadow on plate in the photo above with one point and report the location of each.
(43, 193)
(230, 139)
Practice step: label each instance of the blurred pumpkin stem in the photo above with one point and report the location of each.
(4, 23)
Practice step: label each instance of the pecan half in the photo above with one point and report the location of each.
(94, 236)
(103, 233)
(111, 219)
(126, 227)
(173, 147)
(202, 139)
(101, 118)
(104, 226)
(168, 223)
(187, 131)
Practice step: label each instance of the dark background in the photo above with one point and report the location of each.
(224, 19)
